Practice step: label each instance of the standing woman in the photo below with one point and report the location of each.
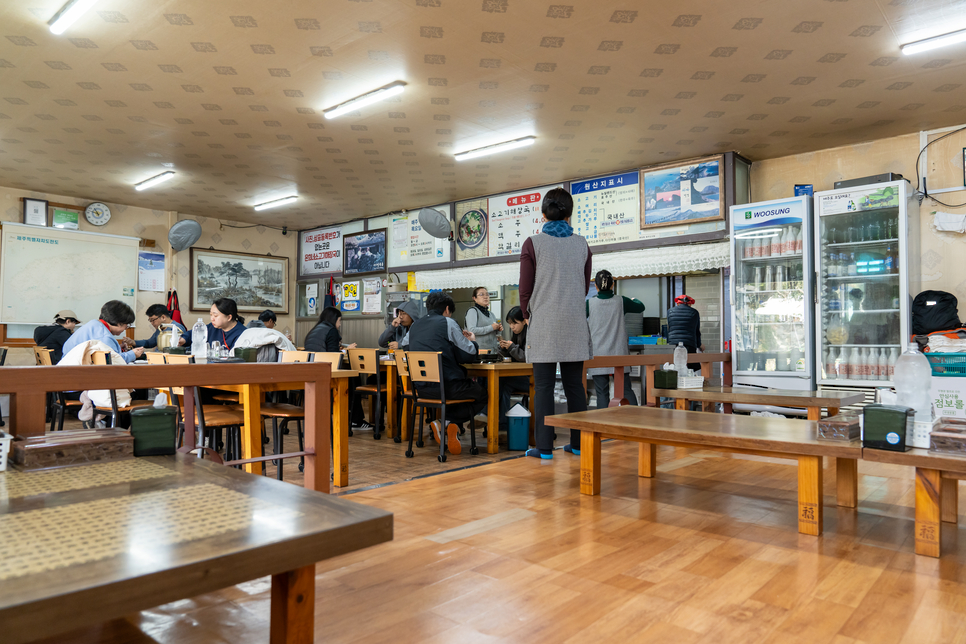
(554, 278)
(605, 316)
(481, 321)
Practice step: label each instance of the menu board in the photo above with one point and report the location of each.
(410, 245)
(515, 216)
(320, 251)
(471, 229)
(607, 209)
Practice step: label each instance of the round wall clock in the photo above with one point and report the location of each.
(98, 213)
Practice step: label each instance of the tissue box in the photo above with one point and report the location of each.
(887, 426)
(665, 379)
(155, 430)
(840, 427)
(248, 355)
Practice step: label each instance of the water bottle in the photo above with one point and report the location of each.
(913, 380)
(199, 340)
(681, 359)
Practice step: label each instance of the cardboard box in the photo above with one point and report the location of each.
(949, 397)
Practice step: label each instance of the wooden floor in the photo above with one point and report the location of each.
(706, 552)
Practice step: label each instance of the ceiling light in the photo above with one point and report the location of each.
(497, 147)
(366, 99)
(278, 202)
(69, 14)
(153, 181)
(934, 42)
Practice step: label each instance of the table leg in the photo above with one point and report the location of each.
(293, 607)
(340, 432)
(404, 429)
(928, 499)
(646, 460)
(706, 374)
(589, 463)
(814, 413)
(492, 412)
(317, 415)
(391, 393)
(251, 398)
(832, 410)
(847, 482)
(648, 397)
(950, 504)
(681, 403)
(810, 495)
(618, 398)
(533, 416)
(190, 431)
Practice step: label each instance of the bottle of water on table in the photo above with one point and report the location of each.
(199, 340)
(681, 360)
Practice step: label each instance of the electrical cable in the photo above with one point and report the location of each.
(924, 194)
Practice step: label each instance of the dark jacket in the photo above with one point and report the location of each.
(52, 336)
(684, 325)
(228, 338)
(397, 333)
(323, 337)
(517, 351)
(430, 334)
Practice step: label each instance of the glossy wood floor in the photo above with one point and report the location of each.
(706, 552)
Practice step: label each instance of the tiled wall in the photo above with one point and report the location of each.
(706, 291)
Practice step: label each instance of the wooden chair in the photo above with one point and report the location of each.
(57, 401)
(104, 358)
(155, 357)
(285, 412)
(405, 391)
(427, 366)
(334, 358)
(295, 356)
(366, 361)
(211, 419)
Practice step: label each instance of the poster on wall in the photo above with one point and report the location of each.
(679, 193)
(312, 298)
(371, 296)
(150, 271)
(365, 252)
(515, 216)
(411, 245)
(607, 209)
(350, 296)
(471, 229)
(320, 251)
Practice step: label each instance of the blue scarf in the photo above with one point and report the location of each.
(559, 228)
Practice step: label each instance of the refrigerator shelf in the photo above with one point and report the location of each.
(780, 290)
(862, 243)
(856, 278)
(863, 345)
(797, 322)
(864, 311)
(770, 258)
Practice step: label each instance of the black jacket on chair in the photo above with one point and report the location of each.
(52, 336)
(684, 325)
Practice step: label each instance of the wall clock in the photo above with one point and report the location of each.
(97, 213)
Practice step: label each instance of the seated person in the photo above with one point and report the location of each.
(438, 331)
(115, 318)
(53, 336)
(407, 312)
(158, 316)
(226, 325)
(515, 349)
(269, 320)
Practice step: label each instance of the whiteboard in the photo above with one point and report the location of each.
(45, 270)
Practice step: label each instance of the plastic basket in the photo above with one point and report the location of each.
(5, 440)
(947, 364)
(690, 382)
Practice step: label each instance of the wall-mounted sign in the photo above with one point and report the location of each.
(410, 245)
(320, 251)
(607, 209)
(515, 216)
(351, 296)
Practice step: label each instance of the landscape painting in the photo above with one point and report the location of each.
(255, 282)
(682, 193)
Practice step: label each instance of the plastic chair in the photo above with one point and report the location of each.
(427, 367)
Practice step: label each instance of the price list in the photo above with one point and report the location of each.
(607, 209)
(513, 218)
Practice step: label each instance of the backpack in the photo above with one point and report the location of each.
(934, 311)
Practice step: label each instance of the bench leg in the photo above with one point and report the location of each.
(589, 463)
(847, 482)
(950, 504)
(646, 460)
(814, 413)
(810, 495)
(928, 498)
(293, 607)
(681, 403)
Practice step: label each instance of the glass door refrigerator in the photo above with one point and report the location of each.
(771, 278)
(867, 254)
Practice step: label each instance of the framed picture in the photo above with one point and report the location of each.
(364, 252)
(255, 282)
(35, 212)
(677, 193)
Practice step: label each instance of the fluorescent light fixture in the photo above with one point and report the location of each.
(369, 98)
(759, 233)
(935, 42)
(496, 147)
(153, 181)
(69, 14)
(278, 202)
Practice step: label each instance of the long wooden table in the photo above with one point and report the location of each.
(493, 371)
(650, 363)
(125, 536)
(813, 401)
(775, 437)
(250, 395)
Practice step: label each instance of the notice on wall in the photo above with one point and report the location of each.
(514, 217)
(312, 298)
(372, 300)
(351, 296)
(607, 209)
(320, 251)
(150, 271)
(411, 245)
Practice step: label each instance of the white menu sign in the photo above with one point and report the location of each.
(514, 217)
(320, 251)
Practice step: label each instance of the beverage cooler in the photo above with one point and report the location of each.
(867, 254)
(771, 294)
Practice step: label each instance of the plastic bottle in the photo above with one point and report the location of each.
(787, 242)
(765, 246)
(851, 268)
(883, 364)
(756, 247)
(890, 262)
(681, 359)
(795, 360)
(798, 242)
(891, 364)
(913, 379)
(830, 364)
(855, 365)
(776, 245)
(199, 340)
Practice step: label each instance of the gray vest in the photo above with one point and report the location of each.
(607, 330)
(558, 325)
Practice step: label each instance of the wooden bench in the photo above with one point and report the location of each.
(774, 437)
(812, 401)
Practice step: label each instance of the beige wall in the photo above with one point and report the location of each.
(942, 254)
(153, 224)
